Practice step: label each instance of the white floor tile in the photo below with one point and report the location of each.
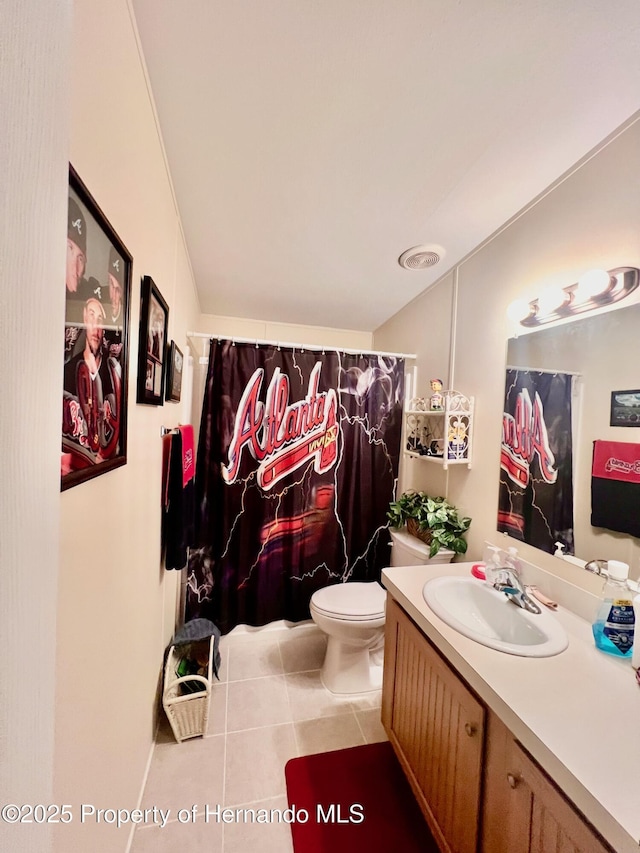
(366, 701)
(257, 702)
(371, 725)
(255, 763)
(182, 774)
(302, 653)
(218, 710)
(328, 733)
(251, 658)
(223, 669)
(198, 837)
(246, 835)
(310, 699)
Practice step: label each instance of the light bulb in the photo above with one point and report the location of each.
(591, 284)
(550, 300)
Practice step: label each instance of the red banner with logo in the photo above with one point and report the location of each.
(617, 460)
(615, 486)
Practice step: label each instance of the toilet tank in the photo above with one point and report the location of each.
(408, 550)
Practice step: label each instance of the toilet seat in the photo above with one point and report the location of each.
(353, 602)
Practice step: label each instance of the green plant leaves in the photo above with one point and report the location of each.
(435, 514)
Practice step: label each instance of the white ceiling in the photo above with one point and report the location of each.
(310, 142)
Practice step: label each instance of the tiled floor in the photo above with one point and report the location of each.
(268, 707)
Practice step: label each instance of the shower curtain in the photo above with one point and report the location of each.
(536, 459)
(297, 463)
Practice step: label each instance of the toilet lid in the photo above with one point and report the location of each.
(351, 600)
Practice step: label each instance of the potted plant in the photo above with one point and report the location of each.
(433, 520)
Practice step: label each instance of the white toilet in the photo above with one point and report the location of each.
(352, 617)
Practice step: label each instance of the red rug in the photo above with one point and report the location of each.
(355, 799)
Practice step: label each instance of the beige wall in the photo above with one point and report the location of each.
(423, 328)
(33, 177)
(116, 604)
(214, 325)
(589, 219)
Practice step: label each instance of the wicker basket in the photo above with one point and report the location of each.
(188, 713)
(414, 530)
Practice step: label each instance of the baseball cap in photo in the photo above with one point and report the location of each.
(76, 225)
(116, 266)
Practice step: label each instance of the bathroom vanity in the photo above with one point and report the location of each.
(508, 754)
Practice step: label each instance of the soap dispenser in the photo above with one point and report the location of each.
(512, 559)
(493, 562)
(613, 628)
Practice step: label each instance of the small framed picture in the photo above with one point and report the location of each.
(152, 346)
(96, 342)
(625, 408)
(174, 373)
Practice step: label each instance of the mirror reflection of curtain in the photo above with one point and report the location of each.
(297, 463)
(535, 503)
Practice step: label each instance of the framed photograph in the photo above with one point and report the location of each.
(152, 344)
(96, 342)
(174, 373)
(625, 408)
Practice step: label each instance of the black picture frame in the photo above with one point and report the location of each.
(152, 346)
(625, 408)
(96, 342)
(175, 365)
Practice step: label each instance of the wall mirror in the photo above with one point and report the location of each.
(602, 354)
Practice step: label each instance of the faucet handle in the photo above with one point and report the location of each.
(506, 580)
(598, 567)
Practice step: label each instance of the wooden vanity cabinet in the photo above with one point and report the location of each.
(477, 788)
(523, 811)
(436, 727)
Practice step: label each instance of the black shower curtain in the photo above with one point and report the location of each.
(297, 462)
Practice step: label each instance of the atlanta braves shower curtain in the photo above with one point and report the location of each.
(297, 462)
(536, 468)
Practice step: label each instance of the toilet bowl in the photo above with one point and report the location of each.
(352, 617)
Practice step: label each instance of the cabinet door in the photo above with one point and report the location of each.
(524, 812)
(437, 728)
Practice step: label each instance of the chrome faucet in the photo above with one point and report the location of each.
(506, 580)
(598, 567)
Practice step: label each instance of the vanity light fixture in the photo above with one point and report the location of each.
(595, 289)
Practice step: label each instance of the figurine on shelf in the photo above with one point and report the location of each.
(418, 404)
(458, 437)
(436, 448)
(436, 401)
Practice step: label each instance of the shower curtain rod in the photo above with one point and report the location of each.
(259, 341)
(542, 370)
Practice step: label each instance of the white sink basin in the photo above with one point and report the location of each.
(487, 616)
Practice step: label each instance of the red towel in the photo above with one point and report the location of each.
(615, 486)
(616, 460)
(188, 454)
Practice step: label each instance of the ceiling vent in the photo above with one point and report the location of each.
(421, 257)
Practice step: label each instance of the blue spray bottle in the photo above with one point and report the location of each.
(614, 625)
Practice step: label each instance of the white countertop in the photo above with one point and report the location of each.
(577, 713)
